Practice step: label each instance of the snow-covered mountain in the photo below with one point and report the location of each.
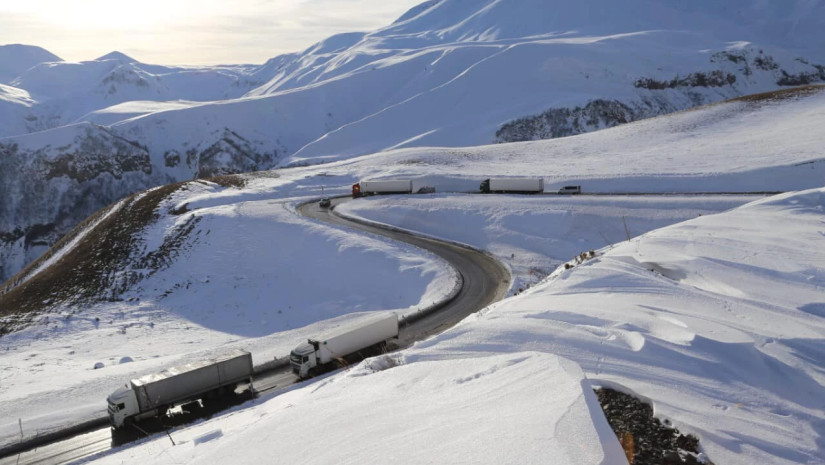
(717, 321)
(66, 91)
(447, 73)
(17, 58)
(47, 189)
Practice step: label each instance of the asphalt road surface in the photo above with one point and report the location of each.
(485, 280)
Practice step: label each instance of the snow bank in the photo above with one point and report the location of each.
(536, 234)
(473, 411)
(718, 321)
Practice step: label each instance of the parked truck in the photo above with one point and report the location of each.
(512, 185)
(152, 395)
(320, 354)
(389, 186)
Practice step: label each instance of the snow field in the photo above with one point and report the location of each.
(474, 410)
(773, 145)
(716, 321)
(535, 234)
(252, 275)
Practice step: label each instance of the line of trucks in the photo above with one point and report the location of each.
(154, 394)
(487, 186)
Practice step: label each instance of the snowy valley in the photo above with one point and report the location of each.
(708, 320)
(448, 73)
(690, 274)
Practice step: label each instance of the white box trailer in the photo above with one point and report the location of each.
(388, 186)
(512, 185)
(309, 357)
(152, 394)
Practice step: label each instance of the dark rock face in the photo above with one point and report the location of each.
(661, 96)
(802, 78)
(714, 78)
(644, 438)
(49, 190)
(563, 122)
(232, 154)
(97, 153)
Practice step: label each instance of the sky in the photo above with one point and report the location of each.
(188, 32)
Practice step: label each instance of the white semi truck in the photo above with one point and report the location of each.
(512, 185)
(317, 354)
(389, 186)
(152, 395)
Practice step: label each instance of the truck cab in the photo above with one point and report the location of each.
(570, 190)
(122, 405)
(303, 359)
(485, 186)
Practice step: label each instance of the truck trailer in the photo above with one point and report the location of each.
(152, 395)
(512, 185)
(389, 186)
(320, 354)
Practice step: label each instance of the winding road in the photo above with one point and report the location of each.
(484, 281)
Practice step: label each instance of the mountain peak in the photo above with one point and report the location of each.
(417, 10)
(117, 56)
(789, 23)
(17, 58)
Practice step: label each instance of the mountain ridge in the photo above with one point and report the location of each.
(16, 58)
(446, 73)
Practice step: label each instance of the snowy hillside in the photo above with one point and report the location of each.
(17, 58)
(707, 319)
(447, 73)
(484, 410)
(467, 72)
(66, 91)
(47, 191)
(15, 108)
(717, 322)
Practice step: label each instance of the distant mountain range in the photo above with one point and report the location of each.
(77, 136)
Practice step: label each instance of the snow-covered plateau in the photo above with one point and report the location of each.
(709, 307)
(447, 73)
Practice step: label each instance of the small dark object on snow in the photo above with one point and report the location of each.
(653, 443)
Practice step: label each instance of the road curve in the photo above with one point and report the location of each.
(485, 280)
